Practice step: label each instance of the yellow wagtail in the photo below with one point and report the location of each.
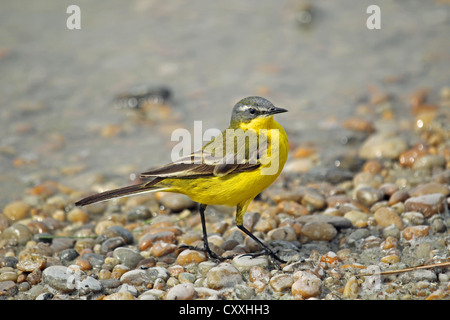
(217, 175)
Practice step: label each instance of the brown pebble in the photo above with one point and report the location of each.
(123, 295)
(358, 124)
(84, 264)
(414, 232)
(30, 262)
(16, 210)
(428, 204)
(162, 248)
(190, 256)
(386, 216)
(149, 239)
(409, 157)
(398, 196)
(320, 231)
(34, 277)
(77, 215)
(351, 288)
(372, 166)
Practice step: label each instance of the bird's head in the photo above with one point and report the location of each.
(251, 108)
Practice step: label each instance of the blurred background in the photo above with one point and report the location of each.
(62, 92)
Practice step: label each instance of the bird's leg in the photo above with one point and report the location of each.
(212, 254)
(240, 211)
(266, 249)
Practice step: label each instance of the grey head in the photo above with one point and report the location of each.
(252, 107)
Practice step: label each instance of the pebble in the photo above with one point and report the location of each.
(127, 256)
(189, 256)
(313, 199)
(16, 210)
(383, 145)
(386, 216)
(244, 263)
(60, 278)
(183, 291)
(319, 231)
(111, 244)
(306, 285)
(415, 232)
(351, 288)
(428, 204)
(367, 196)
(78, 215)
(123, 295)
(18, 232)
(177, 202)
(358, 219)
(283, 233)
(30, 262)
(224, 275)
(281, 282)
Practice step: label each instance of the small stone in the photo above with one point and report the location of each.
(409, 157)
(429, 188)
(189, 256)
(320, 231)
(139, 213)
(183, 291)
(358, 124)
(383, 145)
(60, 278)
(390, 259)
(281, 282)
(398, 196)
(351, 288)
(283, 233)
(77, 215)
(386, 216)
(222, 276)
(414, 217)
(313, 198)
(415, 232)
(367, 196)
(177, 202)
(160, 249)
(16, 210)
(244, 263)
(119, 231)
(306, 285)
(88, 285)
(19, 232)
(428, 205)
(30, 262)
(123, 295)
(127, 256)
(359, 219)
(429, 162)
(147, 240)
(111, 244)
(8, 287)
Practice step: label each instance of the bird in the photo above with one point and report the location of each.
(231, 170)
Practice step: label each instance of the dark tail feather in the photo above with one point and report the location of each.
(117, 193)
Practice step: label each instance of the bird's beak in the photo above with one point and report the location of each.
(275, 110)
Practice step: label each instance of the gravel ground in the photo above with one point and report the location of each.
(382, 206)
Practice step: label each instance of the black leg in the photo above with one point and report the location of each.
(202, 208)
(266, 250)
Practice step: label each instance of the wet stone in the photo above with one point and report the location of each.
(222, 276)
(139, 213)
(111, 244)
(177, 202)
(17, 210)
(17, 232)
(428, 205)
(127, 256)
(60, 278)
(184, 291)
(320, 231)
(68, 255)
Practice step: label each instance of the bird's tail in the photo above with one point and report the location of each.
(118, 193)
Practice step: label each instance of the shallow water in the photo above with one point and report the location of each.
(56, 85)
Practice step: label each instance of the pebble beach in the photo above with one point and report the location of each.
(339, 225)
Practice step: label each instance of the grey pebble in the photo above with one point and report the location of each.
(357, 235)
(88, 285)
(111, 244)
(127, 256)
(60, 278)
(68, 255)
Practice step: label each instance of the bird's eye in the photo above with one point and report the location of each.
(252, 110)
